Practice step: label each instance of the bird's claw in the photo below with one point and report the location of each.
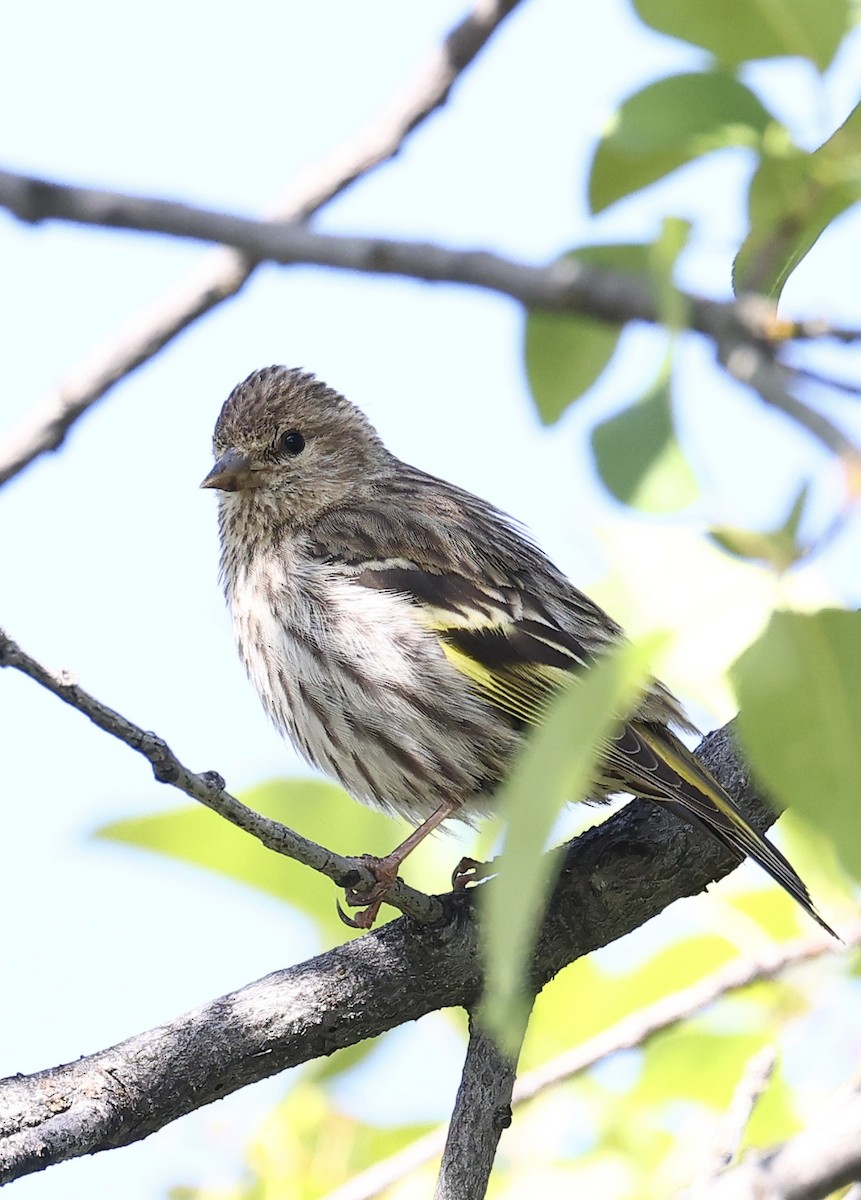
(363, 919)
(385, 873)
(470, 870)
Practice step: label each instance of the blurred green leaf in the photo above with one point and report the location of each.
(555, 766)
(305, 1148)
(799, 691)
(669, 123)
(586, 999)
(736, 31)
(689, 1063)
(793, 198)
(320, 810)
(663, 255)
(638, 455)
(565, 355)
(780, 547)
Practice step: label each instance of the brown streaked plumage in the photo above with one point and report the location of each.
(404, 633)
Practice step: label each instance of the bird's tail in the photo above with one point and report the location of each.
(700, 800)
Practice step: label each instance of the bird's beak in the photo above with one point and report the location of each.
(231, 473)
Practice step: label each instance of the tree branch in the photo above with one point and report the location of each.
(614, 878)
(743, 330)
(482, 1111)
(756, 366)
(824, 1156)
(208, 789)
(225, 272)
(628, 1034)
(565, 286)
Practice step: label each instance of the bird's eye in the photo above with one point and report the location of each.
(290, 442)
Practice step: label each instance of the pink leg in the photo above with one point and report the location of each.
(385, 870)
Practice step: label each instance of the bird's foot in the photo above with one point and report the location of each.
(470, 870)
(370, 899)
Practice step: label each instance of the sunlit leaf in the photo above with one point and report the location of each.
(638, 455)
(689, 1063)
(586, 999)
(555, 766)
(668, 124)
(799, 690)
(564, 355)
(794, 196)
(306, 1147)
(736, 31)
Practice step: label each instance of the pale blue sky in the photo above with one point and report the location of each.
(110, 550)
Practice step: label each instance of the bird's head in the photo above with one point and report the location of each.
(286, 441)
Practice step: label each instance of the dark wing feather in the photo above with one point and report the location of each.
(515, 627)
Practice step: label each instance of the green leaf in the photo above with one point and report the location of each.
(586, 999)
(692, 1064)
(663, 255)
(799, 691)
(669, 123)
(793, 198)
(779, 547)
(320, 810)
(736, 31)
(555, 766)
(639, 458)
(565, 355)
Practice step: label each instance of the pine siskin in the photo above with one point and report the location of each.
(403, 633)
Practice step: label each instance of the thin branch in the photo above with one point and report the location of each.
(743, 330)
(824, 1156)
(225, 272)
(628, 1034)
(565, 286)
(482, 1111)
(755, 1078)
(208, 788)
(756, 366)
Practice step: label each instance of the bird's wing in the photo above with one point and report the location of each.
(475, 582)
(511, 655)
(509, 642)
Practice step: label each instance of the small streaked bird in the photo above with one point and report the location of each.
(404, 634)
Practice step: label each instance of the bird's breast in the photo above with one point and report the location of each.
(362, 687)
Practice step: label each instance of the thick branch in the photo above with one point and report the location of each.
(208, 788)
(225, 272)
(615, 877)
(627, 1034)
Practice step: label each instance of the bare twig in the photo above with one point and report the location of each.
(208, 788)
(754, 1080)
(482, 1111)
(756, 366)
(824, 1156)
(566, 286)
(741, 329)
(626, 1034)
(225, 272)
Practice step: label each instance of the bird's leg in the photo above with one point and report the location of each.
(385, 870)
